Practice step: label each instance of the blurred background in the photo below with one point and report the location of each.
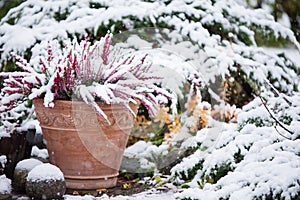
(286, 12)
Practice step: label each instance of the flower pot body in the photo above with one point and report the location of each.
(82, 144)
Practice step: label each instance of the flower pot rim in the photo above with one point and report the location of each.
(81, 101)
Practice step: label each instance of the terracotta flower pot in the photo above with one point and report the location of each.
(81, 143)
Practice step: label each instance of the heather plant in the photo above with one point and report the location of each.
(84, 71)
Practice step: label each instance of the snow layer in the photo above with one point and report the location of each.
(45, 172)
(148, 195)
(40, 153)
(3, 161)
(266, 167)
(31, 124)
(255, 162)
(28, 164)
(5, 185)
(4, 132)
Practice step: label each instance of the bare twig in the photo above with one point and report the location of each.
(281, 133)
(276, 120)
(277, 92)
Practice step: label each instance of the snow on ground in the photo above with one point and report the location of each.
(45, 172)
(147, 195)
(5, 185)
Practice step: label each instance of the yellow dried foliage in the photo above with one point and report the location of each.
(175, 125)
(192, 103)
(162, 116)
(227, 113)
(200, 117)
(199, 113)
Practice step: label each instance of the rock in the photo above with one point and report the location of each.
(21, 171)
(5, 196)
(46, 189)
(130, 164)
(167, 162)
(45, 181)
(135, 160)
(139, 166)
(5, 188)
